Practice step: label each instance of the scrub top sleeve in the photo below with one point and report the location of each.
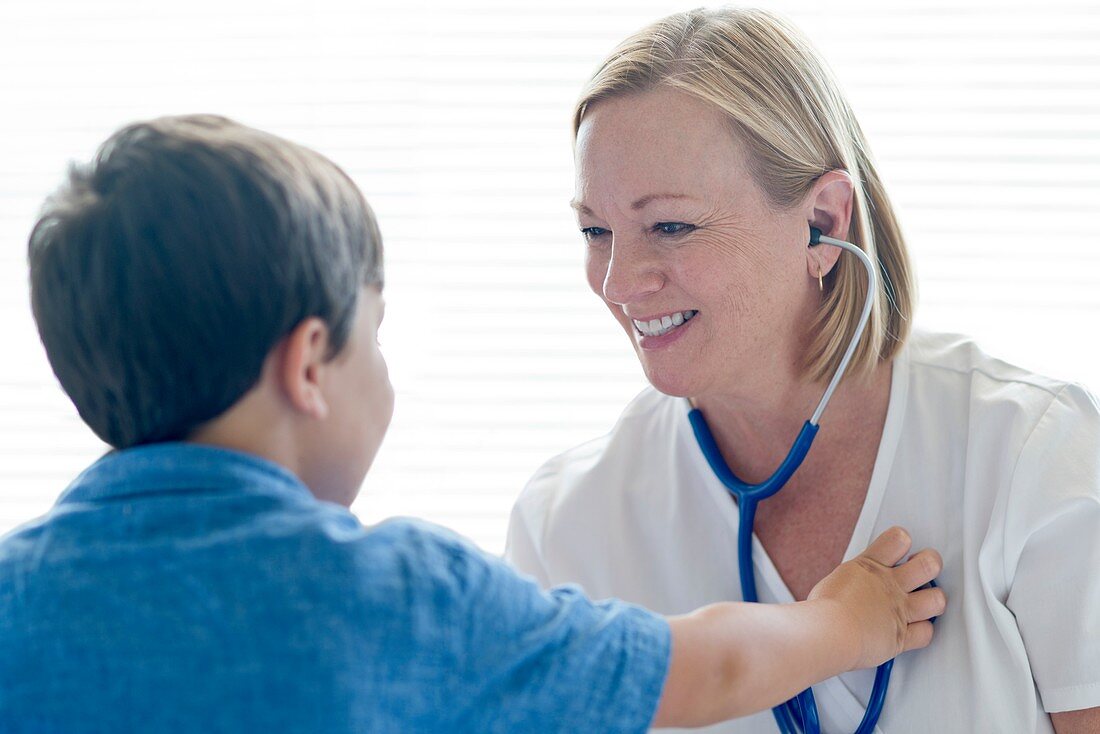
(552, 661)
(520, 549)
(1052, 551)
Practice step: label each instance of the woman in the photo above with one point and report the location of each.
(707, 146)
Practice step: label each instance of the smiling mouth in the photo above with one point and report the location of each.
(665, 324)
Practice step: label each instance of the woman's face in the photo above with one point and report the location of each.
(713, 285)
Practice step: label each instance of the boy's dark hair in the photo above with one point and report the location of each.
(164, 272)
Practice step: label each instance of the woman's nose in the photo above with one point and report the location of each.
(631, 273)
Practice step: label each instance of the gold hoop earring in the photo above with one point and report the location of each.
(820, 281)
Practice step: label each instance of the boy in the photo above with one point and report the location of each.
(208, 296)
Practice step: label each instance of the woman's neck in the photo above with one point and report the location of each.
(755, 432)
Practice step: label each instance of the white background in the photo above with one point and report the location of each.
(454, 119)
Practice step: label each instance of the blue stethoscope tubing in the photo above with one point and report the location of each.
(799, 714)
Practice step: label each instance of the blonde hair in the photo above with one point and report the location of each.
(785, 106)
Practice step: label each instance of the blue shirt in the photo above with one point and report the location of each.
(185, 588)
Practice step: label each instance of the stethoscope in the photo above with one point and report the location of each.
(800, 713)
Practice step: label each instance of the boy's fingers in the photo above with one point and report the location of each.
(925, 604)
(890, 547)
(917, 635)
(918, 570)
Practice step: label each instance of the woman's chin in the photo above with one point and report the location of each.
(670, 382)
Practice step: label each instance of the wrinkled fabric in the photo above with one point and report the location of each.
(185, 588)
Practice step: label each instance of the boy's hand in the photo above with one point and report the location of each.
(731, 659)
(882, 606)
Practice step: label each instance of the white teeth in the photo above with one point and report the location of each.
(665, 324)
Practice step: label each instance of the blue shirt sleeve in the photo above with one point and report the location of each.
(528, 660)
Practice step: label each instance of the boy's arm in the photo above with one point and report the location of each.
(733, 659)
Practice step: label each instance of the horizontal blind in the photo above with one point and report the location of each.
(454, 120)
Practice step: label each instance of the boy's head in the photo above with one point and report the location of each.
(200, 279)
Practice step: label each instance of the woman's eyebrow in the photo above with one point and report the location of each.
(645, 201)
(641, 203)
(581, 208)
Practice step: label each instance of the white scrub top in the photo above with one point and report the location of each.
(995, 467)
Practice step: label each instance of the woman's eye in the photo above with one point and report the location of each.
(673, 228)
(591, 233)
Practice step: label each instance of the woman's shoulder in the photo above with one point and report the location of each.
(953, 369)
(1028, 424)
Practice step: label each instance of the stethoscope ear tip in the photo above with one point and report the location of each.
(815, 236)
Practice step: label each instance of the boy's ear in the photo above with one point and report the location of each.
(300, 366)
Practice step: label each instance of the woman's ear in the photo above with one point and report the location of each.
(828, 207)
(300, 364)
